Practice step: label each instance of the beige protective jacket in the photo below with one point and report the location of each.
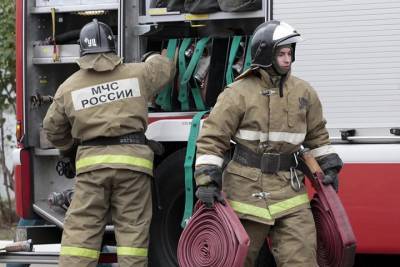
(251, 112)
(91, 104)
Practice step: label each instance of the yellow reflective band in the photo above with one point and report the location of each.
(130, 251)
(288, 204)
(114, 159)
(250, 209)
(80, 252)
(272, 209)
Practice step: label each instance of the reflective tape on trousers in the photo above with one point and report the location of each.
(132, 251)
(114, 159)
(79, 252)
(268, 213)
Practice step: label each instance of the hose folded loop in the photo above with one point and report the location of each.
(335, 238)
(213, 237)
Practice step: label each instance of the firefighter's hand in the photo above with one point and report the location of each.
(331, 164)
(331, 177)
(207, 174)
(69, 153)
(208, 194)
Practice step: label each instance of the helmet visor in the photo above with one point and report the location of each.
(290, 40)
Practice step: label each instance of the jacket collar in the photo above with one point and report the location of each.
(99, 62)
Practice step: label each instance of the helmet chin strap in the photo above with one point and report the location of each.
(281, 83)
(276, 71)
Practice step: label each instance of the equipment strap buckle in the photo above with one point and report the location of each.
(270, 162)
(261, 195)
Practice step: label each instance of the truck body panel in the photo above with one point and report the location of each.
(350, 56)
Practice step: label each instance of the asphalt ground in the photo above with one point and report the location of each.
(362, 260)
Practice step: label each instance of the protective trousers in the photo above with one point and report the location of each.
(127, 194)
(293, 240)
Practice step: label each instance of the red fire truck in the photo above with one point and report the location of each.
(350, 55)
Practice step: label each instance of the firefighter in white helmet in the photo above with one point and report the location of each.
(103, 108)
(269, 114)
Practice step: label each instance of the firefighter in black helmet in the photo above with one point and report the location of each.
(269, 114)
(97, 47)
(104, 107)
(267, 38)
(96, 37)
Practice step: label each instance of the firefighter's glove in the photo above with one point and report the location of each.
(206, 174)
(208, 194)
(209, 181)
(157, 147)
(69, 153)
(331, 164)
(331, 177)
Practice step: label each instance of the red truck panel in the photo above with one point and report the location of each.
(23, 188)
(371, 195)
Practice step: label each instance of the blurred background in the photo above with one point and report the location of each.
(8, 217)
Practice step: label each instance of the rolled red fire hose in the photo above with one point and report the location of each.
(336, 242)
(213, 237)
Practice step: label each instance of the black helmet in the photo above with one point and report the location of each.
(267, 37)
(96, 37)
